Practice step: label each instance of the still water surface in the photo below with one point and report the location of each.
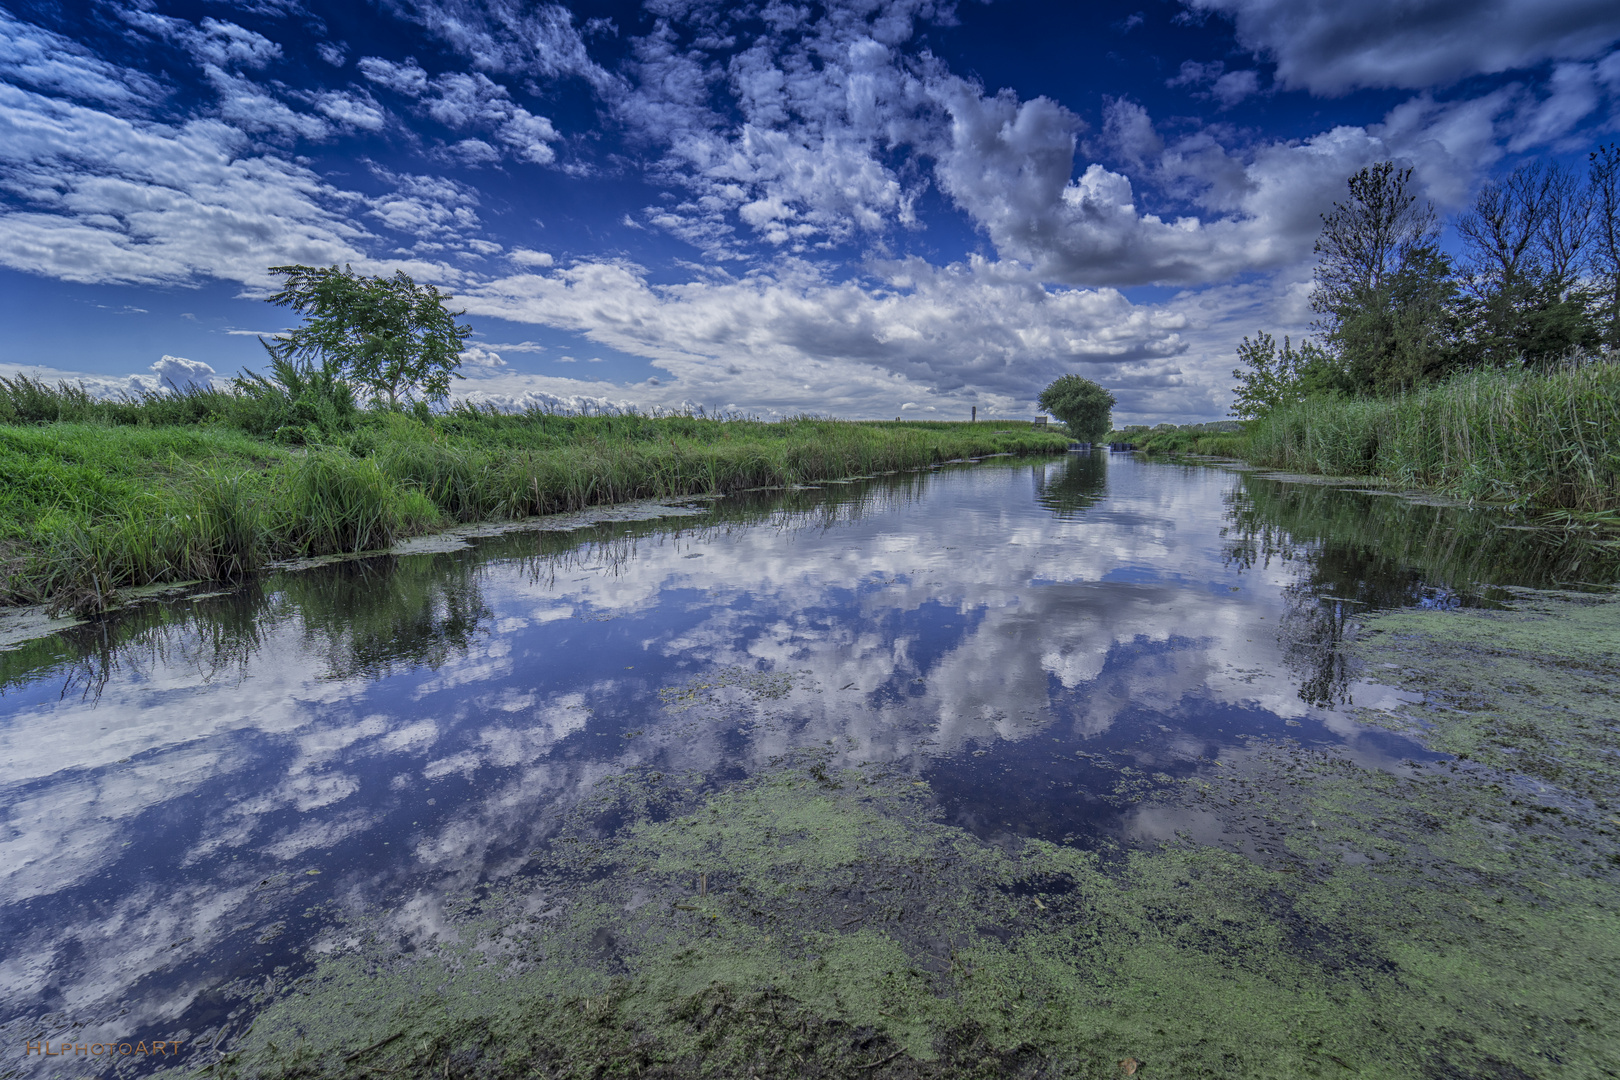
(201, 789)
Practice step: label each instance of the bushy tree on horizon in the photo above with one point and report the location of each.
(1524, 297)
(1603, 258)
(1082, 405)
(389, 335)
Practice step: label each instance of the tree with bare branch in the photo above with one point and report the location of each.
(1525, 236)
(1603, 254)
(1383, 287)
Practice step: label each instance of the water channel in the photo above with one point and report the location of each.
(205, 791)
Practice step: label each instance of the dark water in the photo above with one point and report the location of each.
(199, 790)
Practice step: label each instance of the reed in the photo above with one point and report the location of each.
(1535, 439)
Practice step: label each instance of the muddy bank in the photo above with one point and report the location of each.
(1283, 912)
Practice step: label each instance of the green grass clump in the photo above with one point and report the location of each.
(1544, 439)
(97, 497)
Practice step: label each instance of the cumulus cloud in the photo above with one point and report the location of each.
(532, 400)
(179, 374)
(1329, 47)
(481, 356)
(977, 328)
(1255, 206)
(813, 106)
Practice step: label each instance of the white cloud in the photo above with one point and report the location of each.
(211, 43)
(353, 109)
(249, 107)
(1193, 73)
(481, 356)
(507, 37)
(1571, 95)
(1330, 47)
(812, 109)
(51, 63)
(460, 100)
(175, 373)
(226, 44)
(425, 206)
(525, 257)
(1010, 166)
(1234, 86)
(100, 198)
(949, 333)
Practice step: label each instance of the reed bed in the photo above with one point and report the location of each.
(90, 508)
(1548, 440)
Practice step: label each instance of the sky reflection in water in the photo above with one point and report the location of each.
(199, 790)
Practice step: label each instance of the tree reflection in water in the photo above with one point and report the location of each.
(1073, 488)
(1359, 552)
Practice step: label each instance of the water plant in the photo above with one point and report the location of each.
(819, 919)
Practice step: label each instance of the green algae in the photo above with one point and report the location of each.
(1456, 919)
(1531, 690)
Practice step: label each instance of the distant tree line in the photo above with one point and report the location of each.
(1538, 279)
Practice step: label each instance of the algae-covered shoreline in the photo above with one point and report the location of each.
(1456, 918)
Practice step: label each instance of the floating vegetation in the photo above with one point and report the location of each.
(1457, 918)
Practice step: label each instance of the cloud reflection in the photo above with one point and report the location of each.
(385, 735)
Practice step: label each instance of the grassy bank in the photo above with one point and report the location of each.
(1545, 440)
(1168, 439)
(93, 505)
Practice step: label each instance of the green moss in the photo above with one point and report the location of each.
(820, 921)
(1529, 690)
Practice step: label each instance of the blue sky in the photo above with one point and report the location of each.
(867, 209)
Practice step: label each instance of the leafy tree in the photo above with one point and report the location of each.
(390, 335)
(1383, 288)
(1084, 406)
(1268, 378)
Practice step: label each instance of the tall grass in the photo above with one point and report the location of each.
(88, 508)
(1546, 439)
